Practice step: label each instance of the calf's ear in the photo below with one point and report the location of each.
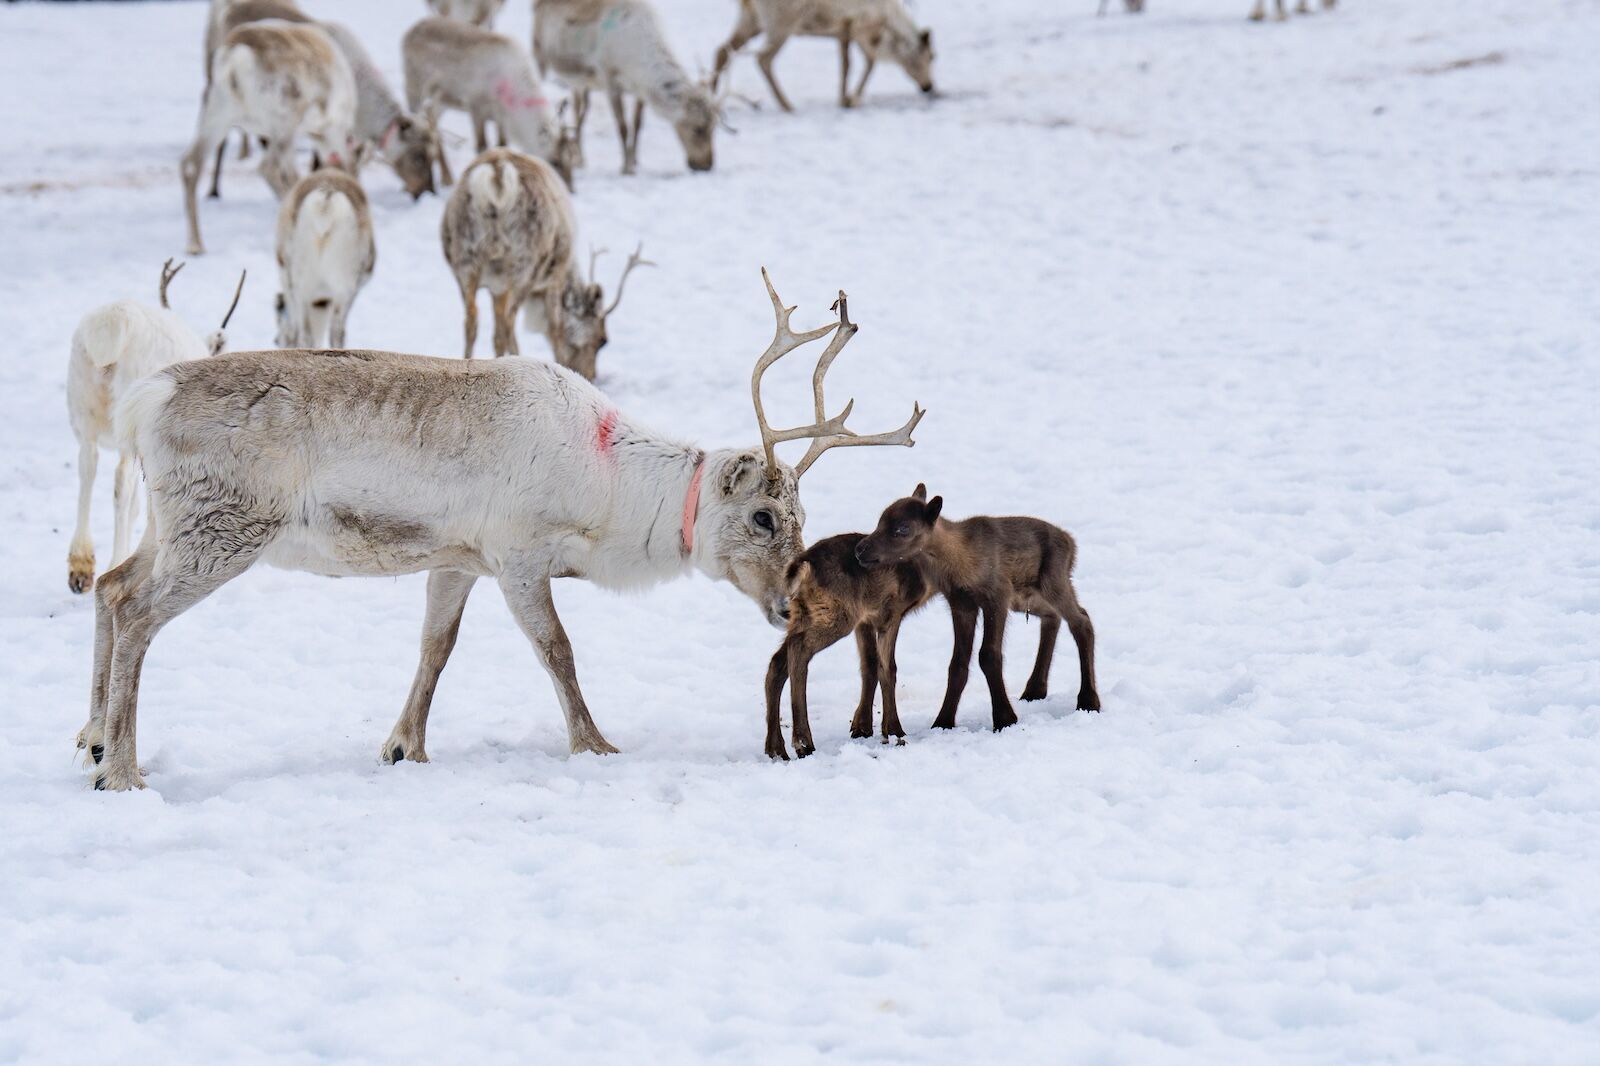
(931, 511)
(920, 492)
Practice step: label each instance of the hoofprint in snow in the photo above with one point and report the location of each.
(1291, 325)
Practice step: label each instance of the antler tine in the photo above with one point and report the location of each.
(594, 257)
(784, 341)
(235, 303)
(168, 272)
(633, 261)
(847, 439)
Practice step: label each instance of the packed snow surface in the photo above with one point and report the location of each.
(1294, 326)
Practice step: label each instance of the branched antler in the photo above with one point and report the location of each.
(633, 261)
(235, 303)
(825, 432)
(168, 272)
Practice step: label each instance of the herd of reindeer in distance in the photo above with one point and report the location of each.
(312, 456)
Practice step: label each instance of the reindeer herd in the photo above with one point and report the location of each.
(344, 461)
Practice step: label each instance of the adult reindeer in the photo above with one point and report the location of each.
(352, 462)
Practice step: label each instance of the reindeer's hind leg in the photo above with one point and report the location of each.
(447, 599)
(867, 648)
(619, 110)
(215, 192)
(1082, 630)
(210, 131)
(1038, 686)
(764, 59)
(777, 674)
(744, 31)
(113, 586)
(888, 677)
(801, 652)
(125, 499)
(80, 553)
(991, 660)
(469, 302)
(505, 323)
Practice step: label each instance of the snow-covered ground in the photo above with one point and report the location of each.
(1293, 325)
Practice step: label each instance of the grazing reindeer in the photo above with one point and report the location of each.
(1133, 7)
(325, 256)
(619, 47)
(452, 64)
(477, 12)
(508, 228)
(382, 464)
(276, 80)
(990, 566)
(381, 124)
(873, 25)
(113, 347)
(1259, 12)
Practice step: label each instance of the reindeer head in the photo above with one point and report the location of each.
(915, 54)
(409, 148)
(902, 531)
(696, 125)
(577, 324)
(752, 519)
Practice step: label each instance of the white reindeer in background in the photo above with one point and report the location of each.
(452, 64)
(325, 256)
(619, 48)
(113, 347)
(514, 469)
(275, 80)
(508, 228)
(1259, 12)
(477, 12)
(874, 25)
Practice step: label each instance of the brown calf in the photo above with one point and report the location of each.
(989, 566)
(830, 594)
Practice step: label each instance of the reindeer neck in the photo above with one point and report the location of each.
(947, 554)
(642, 542)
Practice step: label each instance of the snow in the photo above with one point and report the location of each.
(1292, 325)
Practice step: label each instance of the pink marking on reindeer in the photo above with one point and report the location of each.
(605, 433)
(509, 95)
(691, 506)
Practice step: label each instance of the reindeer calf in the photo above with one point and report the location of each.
(990, 566)
(830, 594)
(325, 256)
(456, 65)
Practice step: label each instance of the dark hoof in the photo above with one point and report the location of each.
(80, 583)
(96, 751)
(776, 751)
(859, 731)
(1030, 694)
(1005, 720)
(1088, 701)
(802, 748)
(397, 754)
(99, 782)
(942, 722)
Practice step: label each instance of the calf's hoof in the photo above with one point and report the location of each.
(803, 747)
(776, 751)
(1034, 692)
(945, 721)
(860, 730)
(1088, 700)
(1002, 720)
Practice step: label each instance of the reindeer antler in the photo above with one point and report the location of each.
(168, 272)
(825, 432)
(633, 261)
(235, 303)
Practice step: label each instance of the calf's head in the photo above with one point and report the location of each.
(902, 531)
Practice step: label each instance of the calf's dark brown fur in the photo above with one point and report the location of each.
(989, 566)
(831, 594)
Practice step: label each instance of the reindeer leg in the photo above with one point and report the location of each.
(480, 133)
(109, 592)
(216, 171)
(764, 58)
(125, 496)
(744, 31)
(991, 660)
(844, 64)
(447, 599)
(469, 300)
(871, 52)
(525, 581)
(619, 111)
(777, 674)
(964, 618)
(580, 112)
(891, 674)
(211, 130)
(80, 554)
(1259, 12)
(867, 650)
(1082, 630)
(1038, 686)
(505, 323)
(336, 318)
(633, 140)
(277, 167)
(801, 653)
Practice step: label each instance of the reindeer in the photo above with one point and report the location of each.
(1302, 7)
(514, 469)
(619, 47)
(274, 79)
(477, 12)
(873, 25)
(990, 566)
(381, 125)
(508, 228)
(113, 347)
(1133, 7)
(325, 256)
(451, 64)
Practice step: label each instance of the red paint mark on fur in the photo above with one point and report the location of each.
(605, 433)
(334, 160)
(388, 135)
(510, 96)
(691, 507)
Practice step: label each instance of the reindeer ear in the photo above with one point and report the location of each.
(931, 511)
(927, 38)
(745, 468)
(920, 492)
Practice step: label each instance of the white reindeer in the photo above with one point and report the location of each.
(325, 256)
(275, 80)
(508, 228)
(477, 12)
(1259, 12)
(113, 347)
(514, 469)
(451, 64)
(619, 48)
(874, 25)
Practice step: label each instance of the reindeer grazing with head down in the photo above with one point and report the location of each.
(357, 462)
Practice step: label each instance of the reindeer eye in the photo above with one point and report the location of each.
(763, 519)
(902, 531)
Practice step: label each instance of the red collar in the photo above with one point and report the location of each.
(691, 506)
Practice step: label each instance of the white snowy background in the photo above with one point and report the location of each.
(1294, 326)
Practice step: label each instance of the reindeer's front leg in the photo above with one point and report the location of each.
(844, 64)
(869, 48)
(525, 583)
(447, 599)
(619, 109)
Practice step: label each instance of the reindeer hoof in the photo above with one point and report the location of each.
(802, 748)
(109, 779)
(1002, 721)
(1030, 694)
(1089, 701)
(777, 752)
(396, 751)
(860, 730)
(97, 752)
(945, 722)
(81, 581)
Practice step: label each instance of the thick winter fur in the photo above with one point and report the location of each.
(618, 47)
(990, 566)
(509, 228)
(114, 346)
(830, 595)
(1302, 7)
(275, 80)
(325, 256)
(477, 12)
(358, 462)
(455, 65)
(876, 26)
